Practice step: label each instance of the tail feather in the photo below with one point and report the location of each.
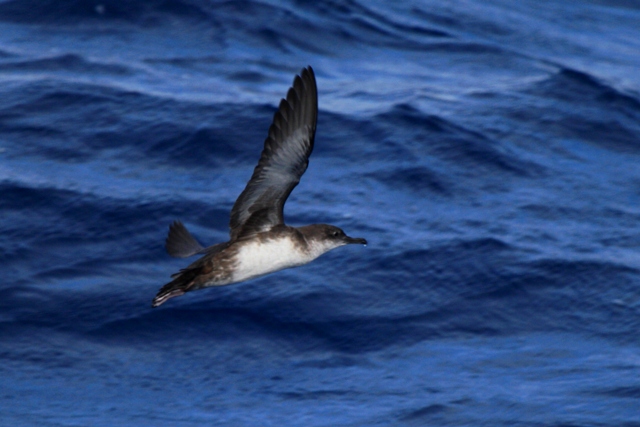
(178, 286)
(192, 277)
(180, 243)
(164, 296)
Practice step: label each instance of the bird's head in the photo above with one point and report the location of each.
(324, 237)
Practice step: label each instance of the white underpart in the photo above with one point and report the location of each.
(257, 259)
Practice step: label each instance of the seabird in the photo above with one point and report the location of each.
(260, 242)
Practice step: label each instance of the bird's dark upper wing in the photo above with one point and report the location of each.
(284, 159)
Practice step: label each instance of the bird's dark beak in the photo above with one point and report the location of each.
(352, 240)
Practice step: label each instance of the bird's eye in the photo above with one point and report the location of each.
(335, 233)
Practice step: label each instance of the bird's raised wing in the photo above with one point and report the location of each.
(283, 161)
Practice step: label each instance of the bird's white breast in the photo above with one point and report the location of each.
(257, 258)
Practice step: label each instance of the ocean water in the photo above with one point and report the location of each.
(488, 151)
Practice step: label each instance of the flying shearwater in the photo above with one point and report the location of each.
(260, 242)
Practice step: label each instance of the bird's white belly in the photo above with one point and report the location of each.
(256, 259)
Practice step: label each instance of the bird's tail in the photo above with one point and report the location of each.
(182, 283)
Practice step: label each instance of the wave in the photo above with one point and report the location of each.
(74, 12)
(83, 122)
(426, 137)
(67, 63)
(582, 107)
(415, 179)
(283, 27)
(569, 84)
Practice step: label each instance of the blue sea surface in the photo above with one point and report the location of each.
(489, 152)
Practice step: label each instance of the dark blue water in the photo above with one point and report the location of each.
(488, 151)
